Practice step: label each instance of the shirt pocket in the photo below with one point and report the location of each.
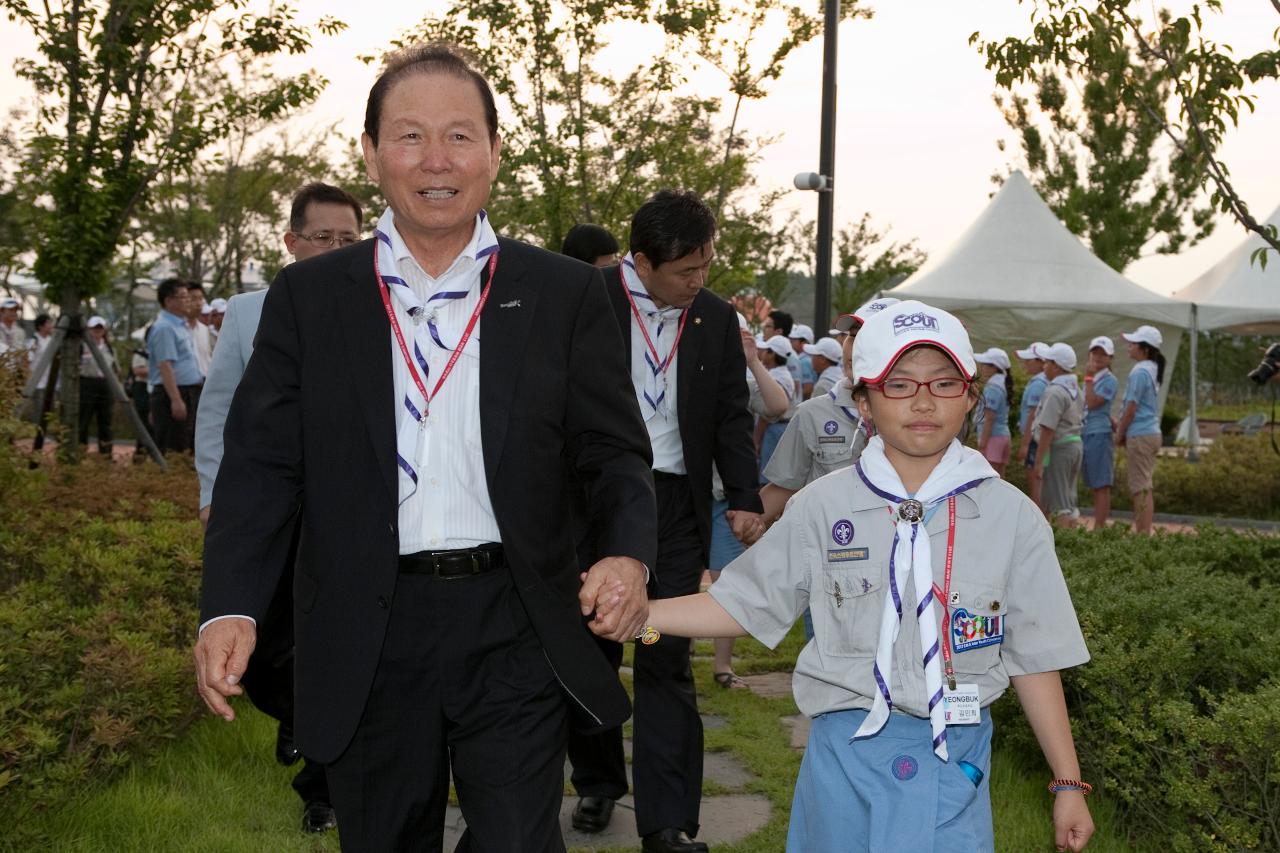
(847, 616)
(976, 616)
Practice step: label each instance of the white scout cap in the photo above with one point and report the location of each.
(995, 356)
(218, 306)
(8, 302)
(1148, 335)
(778, 345)
(1061, 354)
(1030, 352)
(802, 332)
(849, 322)
(1103, 343)
(828, 348)
(887, 334)
(95, 320)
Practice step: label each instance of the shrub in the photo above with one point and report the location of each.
(99, 569)
(1176, 715)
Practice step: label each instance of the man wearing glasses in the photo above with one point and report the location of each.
(323, 217)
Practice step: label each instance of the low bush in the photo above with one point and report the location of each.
(99, 570)
(1177, 714)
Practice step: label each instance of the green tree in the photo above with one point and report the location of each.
(1096, 157)
(122, 97)
(1200, 91)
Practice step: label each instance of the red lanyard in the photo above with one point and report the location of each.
(944, 594)
(653, 351)
(384, 291)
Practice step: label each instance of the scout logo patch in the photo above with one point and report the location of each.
(904, 768)
(842, 531)
(830, 427)
(971, 631)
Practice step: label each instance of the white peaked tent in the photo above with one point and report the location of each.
(1018, 275)
(1236, 295)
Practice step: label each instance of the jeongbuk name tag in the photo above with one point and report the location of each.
(962, 705)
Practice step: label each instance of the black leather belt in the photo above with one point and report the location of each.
(461, 563)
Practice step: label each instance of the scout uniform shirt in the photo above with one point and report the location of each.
(824, 435)
(1009, 609)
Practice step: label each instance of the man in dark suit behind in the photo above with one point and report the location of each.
(438, 608)
(689, 376)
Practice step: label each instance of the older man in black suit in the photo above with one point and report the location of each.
(422, 406)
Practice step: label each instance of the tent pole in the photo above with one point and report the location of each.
(1193, 425)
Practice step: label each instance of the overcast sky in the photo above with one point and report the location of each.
(917, 128)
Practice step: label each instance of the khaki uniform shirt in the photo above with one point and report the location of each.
(1060, 413)
(821, 438)
(1010, 615)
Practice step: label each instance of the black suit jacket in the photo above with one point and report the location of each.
(311, 431)
(711, 401)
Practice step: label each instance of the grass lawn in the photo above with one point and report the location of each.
(218, 789)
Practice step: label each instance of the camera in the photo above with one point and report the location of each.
(1267, 368)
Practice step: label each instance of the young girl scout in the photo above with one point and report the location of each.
(919, 535)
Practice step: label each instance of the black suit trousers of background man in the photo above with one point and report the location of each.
(666, 729)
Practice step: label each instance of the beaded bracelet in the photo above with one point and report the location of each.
(1070, 785)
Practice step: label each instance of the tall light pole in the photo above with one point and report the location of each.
(824, 180)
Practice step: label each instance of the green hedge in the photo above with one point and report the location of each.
(99, 578)
(1177, 715)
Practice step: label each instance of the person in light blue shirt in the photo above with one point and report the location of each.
(1139, 427)
(1032, 359)
(173, 374)
(1100, 386)
(991, 415)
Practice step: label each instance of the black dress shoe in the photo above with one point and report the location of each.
(318, 816)
(671, 841)
(286, 753)
(592, 814)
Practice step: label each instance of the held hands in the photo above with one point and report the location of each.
(746, 526)
(614, 590)
(1072, 823)
(222, 655)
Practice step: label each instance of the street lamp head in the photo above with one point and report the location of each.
(811, 181)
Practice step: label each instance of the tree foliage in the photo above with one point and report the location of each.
(1190, 87)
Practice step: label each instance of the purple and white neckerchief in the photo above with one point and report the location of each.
(959, 470)
(411, 435)
(658, 320)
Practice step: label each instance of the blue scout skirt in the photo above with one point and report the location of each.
(889, 791)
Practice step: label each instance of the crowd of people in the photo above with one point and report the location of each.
(445, 475)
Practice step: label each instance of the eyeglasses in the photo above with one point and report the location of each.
(327, 239)
(946, 387)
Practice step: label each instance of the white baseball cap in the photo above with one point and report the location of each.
(778, 345)
(1103, 343)
(828, 348)
(8, 302)
(218, 306)
(1061, 354)
(95, 320)
(801, 331)
(1148, 335)
(849, 322)
(995, 356)
(888, 333)
(1030, 352)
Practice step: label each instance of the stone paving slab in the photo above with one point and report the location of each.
(725, 819)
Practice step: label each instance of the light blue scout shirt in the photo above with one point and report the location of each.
(1141, 389)
(825, 434)
(1010, 612)
(1098, 421)
(170, 340)
(1031, 398)
(995, 402)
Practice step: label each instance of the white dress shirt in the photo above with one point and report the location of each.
(451, 507)
(662, 422)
